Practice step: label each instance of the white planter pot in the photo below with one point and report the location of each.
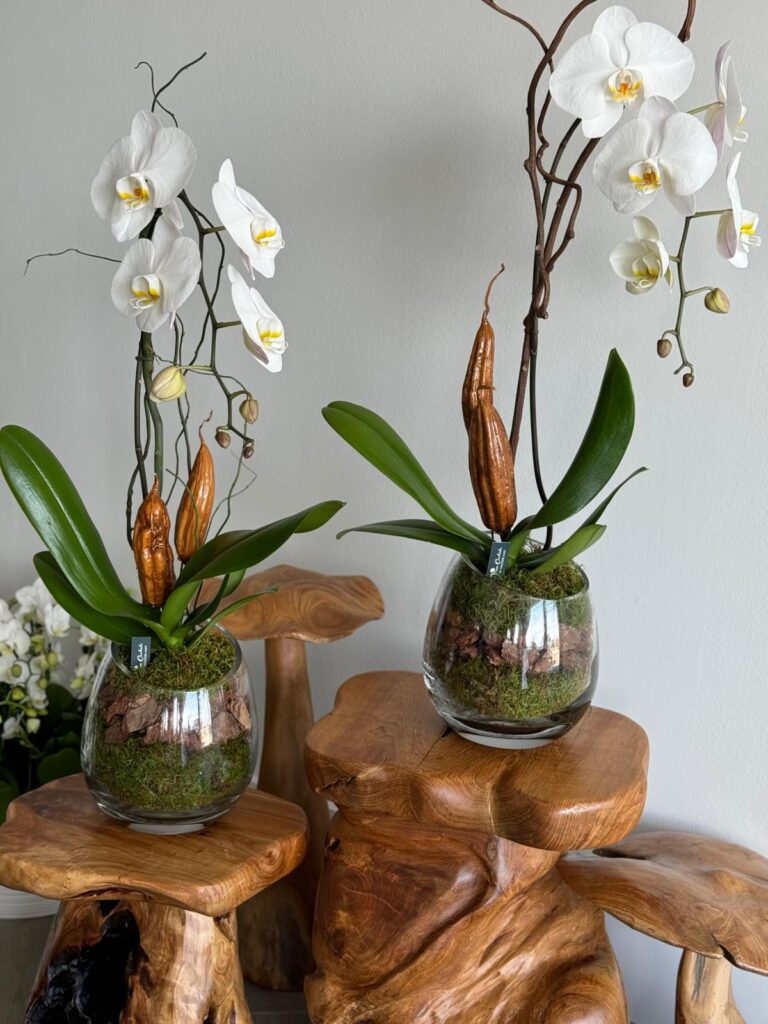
(22, 906)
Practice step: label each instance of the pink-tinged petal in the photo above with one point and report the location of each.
(734, 108)
(720, 59)
(597, 127)
(688, 155)
(733, 186)
(139, 259)
(179, 271)
(656, 111)
(727, 236)
(666, 64)
(714, 119)
(169, 164)
(613, 24)
(620, 152)
(579, 83)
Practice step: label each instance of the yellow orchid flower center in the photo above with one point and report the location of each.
(645, 176)
(646, 272)
(133, 190)
(146, 290)
(270, 331)
(625, 86)
(264, 231)
(749, 234)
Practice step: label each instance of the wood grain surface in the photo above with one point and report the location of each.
(428, 925)
(306, 606)
(705, 991)
(385, 750)
(58, 844)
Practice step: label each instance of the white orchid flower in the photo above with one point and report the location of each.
(11, 728)
(57, 621)
(661, 150)
(34, 600)
(156, 277)
(262, 331)
(737, 228)
(725, 117)
(255, 231)
(642, 261)
(14, 636)
(142, 172)
(621, 63)
(5, 612)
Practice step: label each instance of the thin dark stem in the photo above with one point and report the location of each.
(147, 366)
(137, 443)
(520, 21)
(156, 93)
(62, 252)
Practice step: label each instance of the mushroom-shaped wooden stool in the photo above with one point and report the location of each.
(440, 901)
(706, 896)
(276, 927)
(147, 932)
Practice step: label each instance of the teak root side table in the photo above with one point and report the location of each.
(147, 932)
(440, 901)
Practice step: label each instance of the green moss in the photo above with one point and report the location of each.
(156, 777)
(193, 668)
(499, 693)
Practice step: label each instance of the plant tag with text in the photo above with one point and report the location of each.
(141, 651)
(497, 563)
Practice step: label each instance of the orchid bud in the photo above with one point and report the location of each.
(248, 450)
(249, 410)
(33, 725)
(168, 385)
(687, 380)
(717, 301)
(223, 437)
(17, 694)
(663, 347)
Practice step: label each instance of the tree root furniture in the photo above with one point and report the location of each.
(147, 932)
(276, 926)
(440, 901)
(708, 897)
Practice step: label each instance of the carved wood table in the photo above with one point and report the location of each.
(439, 901)
(147, 932)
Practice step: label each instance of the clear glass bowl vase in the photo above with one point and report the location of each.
(504, 668)
(169, 758)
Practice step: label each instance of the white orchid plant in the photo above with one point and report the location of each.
(41, 702)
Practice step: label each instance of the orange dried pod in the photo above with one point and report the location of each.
(491, 466)
(152, 549)
(480, 368)
(196, 506)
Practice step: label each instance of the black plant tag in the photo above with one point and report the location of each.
(497, 563)
(141, 651)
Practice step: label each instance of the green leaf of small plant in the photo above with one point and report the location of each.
(424, 530)
(376, 441)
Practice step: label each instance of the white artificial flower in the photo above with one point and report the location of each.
(643, 260)
(622, 62)
(7, 661)
(33, 725)
(57, 621)
(142, 172)
(5, 612)
(88, 638)
(36, 695)
(19, 673)
(15, 636)
(11, 728)
(255, 231)
(34, 600)
(725, 117)
(156, 277)
(262, 330)
(661, 150)
(737, 228)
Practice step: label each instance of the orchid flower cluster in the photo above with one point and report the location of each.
(32, 626)
(638, 71)
(140, 191)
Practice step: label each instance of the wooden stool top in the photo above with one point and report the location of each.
(385, 750)
(57, 843)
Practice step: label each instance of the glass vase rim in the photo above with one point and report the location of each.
(460, 557)
(117, 659)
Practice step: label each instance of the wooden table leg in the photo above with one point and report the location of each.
(705, 991)
(139, 962)
(426, 925)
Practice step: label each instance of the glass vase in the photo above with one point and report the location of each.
(504, 668)
(169, 758)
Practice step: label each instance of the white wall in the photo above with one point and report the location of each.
(388, 139)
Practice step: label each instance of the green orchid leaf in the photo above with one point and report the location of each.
(229, 585)
(176, 604)
(424, 530)
(56, 766)
(238, 550)
(578, 542)
(235, 606)
(601, 450)
(113, 627)
(51, 503)
(377, 442)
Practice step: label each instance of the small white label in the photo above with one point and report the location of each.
(141, 651)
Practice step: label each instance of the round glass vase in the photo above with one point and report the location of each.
(170, 758)
(506, 669)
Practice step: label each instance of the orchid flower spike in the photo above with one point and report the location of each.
(142, 172)
(156, 277)
(621, 63)
(737, 228)
(262, 331)
(642, 261)
(255, 231)
(661, 150)
(725, 117)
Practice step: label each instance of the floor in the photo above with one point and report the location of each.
(276, 1007)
